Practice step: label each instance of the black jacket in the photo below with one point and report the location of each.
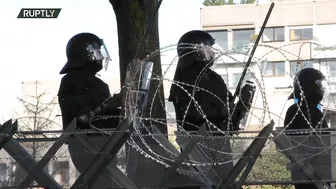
(81, 92)
(213, 104)
(296, 119)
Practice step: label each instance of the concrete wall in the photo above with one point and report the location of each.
(288, 14)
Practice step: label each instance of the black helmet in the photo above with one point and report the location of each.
(196, 37)
(85, 48)
(309, 81)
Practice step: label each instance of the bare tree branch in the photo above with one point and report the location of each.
(38, 114)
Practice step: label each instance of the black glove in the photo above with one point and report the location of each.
(244, 104)
(83, 121)
(83, 118)
(115, 101)
(111, 104)
(247, 93)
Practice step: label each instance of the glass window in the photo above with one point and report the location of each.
(307, 33)
(236, 77)
(221, 37)
(170, 110)
(279, 34)
(267, 69)
(328, 68)
(170, 107)
(301, 34)
(268, 34)
(241, 39)
(273, 68)
(61, 172)
(225, 78)
(296, 66)
(274, 34)
(279, 68)
(331, 70)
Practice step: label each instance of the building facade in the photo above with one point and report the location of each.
(298, 34)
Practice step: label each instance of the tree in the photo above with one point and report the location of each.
(247, 1)
(5, 180)
(218, 2)
(226, 2)
(132, 18)
(39, 113)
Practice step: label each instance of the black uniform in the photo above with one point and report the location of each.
(299, 122)
(208, 89)
(212, 107)
(310, 81)
(81, 92)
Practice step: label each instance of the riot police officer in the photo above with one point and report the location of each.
(305, 114)
(81, 92)
(309, 82)
(83, 95)
(200, 96)
(193, 77)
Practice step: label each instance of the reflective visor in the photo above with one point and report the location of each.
(106, 54)
(100, 52)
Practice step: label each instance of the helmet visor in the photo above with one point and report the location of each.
(99, 53)
(322, 87)
(217, 57)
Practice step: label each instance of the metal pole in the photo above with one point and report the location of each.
(252, 52)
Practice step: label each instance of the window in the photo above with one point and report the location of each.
(170, 111)
(221, 37)
(330, 70)
(3, 172)
(301, 34)
(296, 66)
(274, 34)
(241, 39)
(61, 172)
(170, 108)
(225, 78)
(236, 77)
(273, 68)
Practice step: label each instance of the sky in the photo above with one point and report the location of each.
(34, 49)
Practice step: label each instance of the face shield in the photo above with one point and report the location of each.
(99, 53)
(218, 56)
(322, 84)
(323, 90)
(206, 54)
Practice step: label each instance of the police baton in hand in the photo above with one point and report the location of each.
(252, 52)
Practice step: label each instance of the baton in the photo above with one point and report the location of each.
(252, 52)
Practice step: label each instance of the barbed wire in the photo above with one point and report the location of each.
(142, 125)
